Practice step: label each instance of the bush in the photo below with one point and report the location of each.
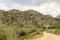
(7, 34)
(14, 33)
(57, 31)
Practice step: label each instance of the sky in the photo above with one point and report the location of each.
(50, 7)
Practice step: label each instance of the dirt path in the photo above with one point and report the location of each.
(48, 36)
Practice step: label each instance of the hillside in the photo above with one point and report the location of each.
(25, 18)
(21, 25)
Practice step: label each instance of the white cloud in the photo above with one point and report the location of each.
(23, 7)
(51, 8)
(3, 6)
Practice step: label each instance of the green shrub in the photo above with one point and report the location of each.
(7, 34)
(15, 33)
(57, 31)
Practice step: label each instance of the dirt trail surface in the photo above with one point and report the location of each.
(48, 36)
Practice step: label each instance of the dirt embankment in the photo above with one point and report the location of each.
(48, 36)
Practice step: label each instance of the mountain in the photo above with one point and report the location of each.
(14, 10)
(25, 19)
(49, 15)
(58, 16)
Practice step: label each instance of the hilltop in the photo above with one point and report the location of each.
(25, 18)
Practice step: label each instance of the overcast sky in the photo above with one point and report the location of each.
(51, 7)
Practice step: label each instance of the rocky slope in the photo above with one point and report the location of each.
(25, 18)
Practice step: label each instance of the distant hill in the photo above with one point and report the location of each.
(49, 15)
(58, 16)
(25, 18)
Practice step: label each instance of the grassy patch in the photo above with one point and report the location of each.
(16, 33)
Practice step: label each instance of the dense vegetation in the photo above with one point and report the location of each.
(18, 25)
(56, 29)
(24, 19)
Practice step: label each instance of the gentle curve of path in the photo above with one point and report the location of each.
(49, 36)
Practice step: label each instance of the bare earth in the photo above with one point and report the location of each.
(48, 36)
